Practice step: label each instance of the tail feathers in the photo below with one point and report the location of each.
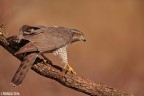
(26, 64)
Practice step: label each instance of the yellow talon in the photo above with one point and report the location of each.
(71, 69)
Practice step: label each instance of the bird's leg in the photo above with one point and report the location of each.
(69, 68)
(46, 60)
(62, 53)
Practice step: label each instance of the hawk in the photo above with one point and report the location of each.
(42, 39)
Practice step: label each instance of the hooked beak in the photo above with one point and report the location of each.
(82, 38)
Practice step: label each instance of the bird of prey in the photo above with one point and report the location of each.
(42, 40)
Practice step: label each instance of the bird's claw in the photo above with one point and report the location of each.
(46, 60)
(71, 69)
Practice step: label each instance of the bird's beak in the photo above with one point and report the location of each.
(82, 38)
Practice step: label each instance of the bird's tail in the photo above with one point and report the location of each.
(26, 64)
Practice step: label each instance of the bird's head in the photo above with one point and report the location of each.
(77, 35)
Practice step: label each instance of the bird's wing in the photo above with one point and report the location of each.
(29, 47)
(48, 39)
(49, 43)
(27, 30)
(23, 68)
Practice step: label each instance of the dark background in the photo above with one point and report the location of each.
(112, 55)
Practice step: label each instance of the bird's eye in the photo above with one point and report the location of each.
(77, 34)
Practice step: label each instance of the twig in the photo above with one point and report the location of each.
(65, 78)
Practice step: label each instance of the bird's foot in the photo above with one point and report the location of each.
(17, 40)
(46, 61)
(70, 69)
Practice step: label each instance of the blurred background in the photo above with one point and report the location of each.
(113, 54)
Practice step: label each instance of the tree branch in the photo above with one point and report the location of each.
(58, 74)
